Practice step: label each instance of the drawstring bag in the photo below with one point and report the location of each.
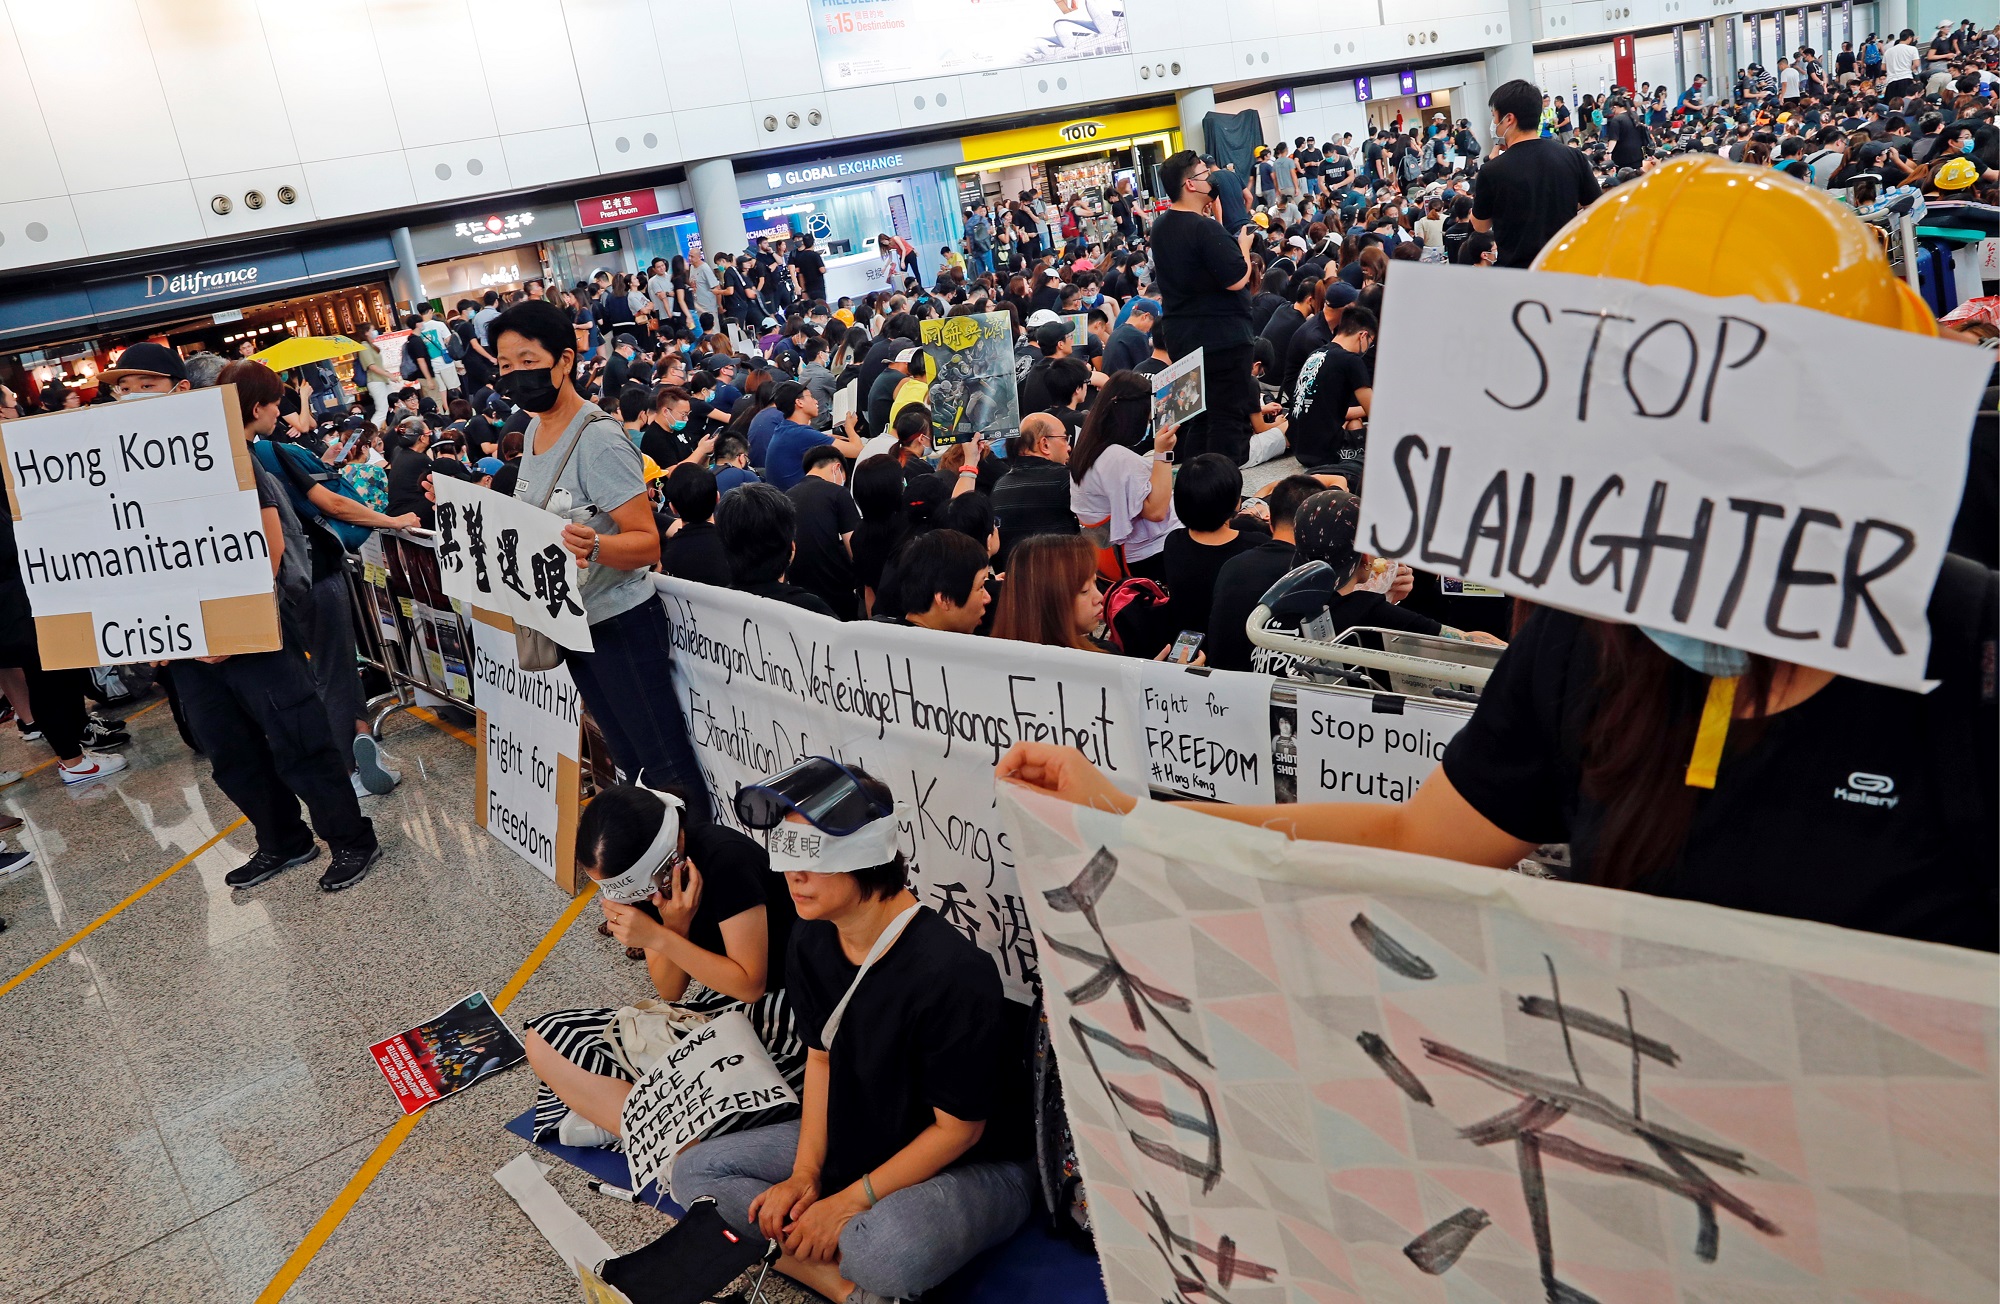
(698, 1256)
(1136, 616)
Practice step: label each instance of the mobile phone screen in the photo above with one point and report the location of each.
(1186, 644)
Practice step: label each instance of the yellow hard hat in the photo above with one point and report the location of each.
(650, 469)
(1956, 175)
(1719, 228)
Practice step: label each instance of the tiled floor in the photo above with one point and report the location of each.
(187, 1089)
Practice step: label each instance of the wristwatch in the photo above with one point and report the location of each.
(596, 543)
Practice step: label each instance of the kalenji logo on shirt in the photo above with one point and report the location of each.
(1868, 790)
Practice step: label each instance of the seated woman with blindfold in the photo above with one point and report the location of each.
(713, 921)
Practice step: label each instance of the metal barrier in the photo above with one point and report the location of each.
(405, 628)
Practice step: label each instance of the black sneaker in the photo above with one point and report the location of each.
(103, 721)
(268, 865)
(29, 734)
(99, 738)
(348, 868)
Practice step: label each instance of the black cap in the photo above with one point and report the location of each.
(625, 337)
(148, 359)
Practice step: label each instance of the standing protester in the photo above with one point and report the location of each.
(1536, 185)
(578, 463)
(1201, 274)
(370, 371)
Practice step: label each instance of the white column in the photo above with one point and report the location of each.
(1891, 17)
(1195, 103)
(407, 284)
(718, 213)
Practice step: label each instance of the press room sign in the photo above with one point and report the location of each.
(626, 206)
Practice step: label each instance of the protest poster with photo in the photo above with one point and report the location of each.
(527, 771)
(1309, 1071)
(973, 393)
(447, 1054)
(763, 684)
(1208, 732)
(497, 553)
(713, 1073)
(138, 530)
(1079, 328)
(1646, 455)
(1180, 392)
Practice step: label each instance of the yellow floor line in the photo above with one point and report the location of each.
(108, 915)
(329, 1222)
(436, 722)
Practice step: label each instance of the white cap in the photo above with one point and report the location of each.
(1298, 242)
(1043, 317)
(908, 355)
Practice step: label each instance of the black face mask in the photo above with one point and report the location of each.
(533, 388)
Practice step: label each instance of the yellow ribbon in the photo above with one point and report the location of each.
(1708, 740)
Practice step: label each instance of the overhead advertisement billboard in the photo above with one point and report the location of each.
(868, 42)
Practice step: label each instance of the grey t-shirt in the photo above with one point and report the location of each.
(605, 472)
(704, 289)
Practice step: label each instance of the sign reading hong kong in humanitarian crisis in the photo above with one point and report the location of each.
(138, 530)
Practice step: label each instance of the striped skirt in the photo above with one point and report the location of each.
(579, 1037)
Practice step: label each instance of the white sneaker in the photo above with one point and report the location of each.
(13, 862)
(371, 777)
(576, 1130)
(94, 765)
(9, 777)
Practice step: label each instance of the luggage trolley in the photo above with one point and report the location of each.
(1415, 665)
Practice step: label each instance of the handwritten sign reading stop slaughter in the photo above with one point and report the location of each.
(1655, 457)
(138, 530)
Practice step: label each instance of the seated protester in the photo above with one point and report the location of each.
(1131, 342)
(908, 442)
(825, 526)
(909, 1158)
(1335, 389)
(1244, 578)
(761, 426)
(701, 903)
(1286, 320)
(1051, 595)
(1068, 382)
(942, 579)
(970, 467)
(694, 551)
(666, 436)
(1049, 334)
(888, 379)
(1160, 360)
(1206, 494)
(1314, 334)
(784, 464)
(1122, 500)
(756, 524)
(732, 464)
(409, 466)
(878, 497)
(1032, 495)
(704, 414)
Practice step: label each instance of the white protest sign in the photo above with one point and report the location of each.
(1651, 456)
(763, 684)
(1306, 1071)
(138, 530)
(500, 554)
(1208, 733)
(530, 741)
(717, 1071)
(1350, 751)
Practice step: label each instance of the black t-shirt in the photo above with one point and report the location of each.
(1325, 391)
(826, 511)
(1239, 585)
(406, 486)
(506, 478)
(696, 553)
(667, 448)
(784, 591)
(927, 1029)
(1529, 193)
(1194, 264)
(736, 875)
(1192, 568)
(1862, 806)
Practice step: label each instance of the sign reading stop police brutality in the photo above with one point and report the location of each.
(504, 555)
(1648, 455)
(139, 533)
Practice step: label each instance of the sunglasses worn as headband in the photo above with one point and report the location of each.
(821, 790)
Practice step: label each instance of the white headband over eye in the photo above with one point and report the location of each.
(799, 847)
(636, 883)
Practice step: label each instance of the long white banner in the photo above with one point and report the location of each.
(498, 553)
(1301, 1071)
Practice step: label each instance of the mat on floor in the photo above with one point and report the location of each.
(1033, 1264)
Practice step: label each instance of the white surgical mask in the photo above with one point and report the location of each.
(119, 396)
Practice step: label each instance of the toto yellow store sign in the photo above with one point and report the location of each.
(1110, 131)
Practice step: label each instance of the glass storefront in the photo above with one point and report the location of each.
(472, 276)
(1060, 159)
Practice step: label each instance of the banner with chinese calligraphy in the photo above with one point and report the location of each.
(1302, 1071)
(763, 684)
(528, 772)
(503, 555)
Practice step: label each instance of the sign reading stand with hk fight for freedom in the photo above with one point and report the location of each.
(506, 556)
(138, 529)
(1652, 456)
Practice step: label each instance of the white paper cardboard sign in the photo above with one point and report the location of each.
(1651, 456)
(1349, 751)
(528, 766)
(1208, 732)
(504, 555)
(138, 531)
(720, 1070)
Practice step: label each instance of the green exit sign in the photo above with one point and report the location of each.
(607, 242)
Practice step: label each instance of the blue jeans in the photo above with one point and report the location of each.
(628, 684)
(909, 1242)
(982, 260)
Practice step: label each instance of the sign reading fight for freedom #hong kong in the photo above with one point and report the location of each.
(138, 529)
(1652, 456)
